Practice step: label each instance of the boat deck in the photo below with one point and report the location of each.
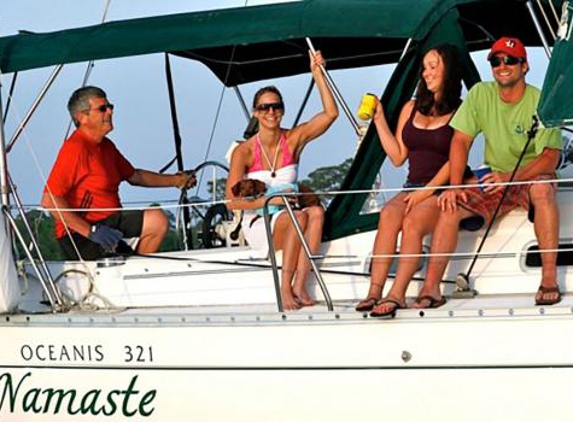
(481, 306)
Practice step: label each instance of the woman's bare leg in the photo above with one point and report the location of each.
(389, 226)
(312, 235)
(286, 238)
(419, 222)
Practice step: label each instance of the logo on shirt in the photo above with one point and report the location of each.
(519, 130)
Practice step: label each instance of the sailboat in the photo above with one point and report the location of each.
(201, 334)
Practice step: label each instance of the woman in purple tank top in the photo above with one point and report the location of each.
(423, 138)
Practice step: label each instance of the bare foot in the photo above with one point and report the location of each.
(290, 303)
(304, 299)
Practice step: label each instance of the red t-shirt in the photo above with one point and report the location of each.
(87, 175)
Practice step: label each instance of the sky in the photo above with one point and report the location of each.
(137, 88)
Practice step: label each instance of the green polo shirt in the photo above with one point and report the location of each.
(504, 125)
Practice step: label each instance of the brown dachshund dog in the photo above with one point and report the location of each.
(255, 188)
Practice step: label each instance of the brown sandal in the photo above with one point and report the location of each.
(545, 290)
(392, 311)
(366, 304)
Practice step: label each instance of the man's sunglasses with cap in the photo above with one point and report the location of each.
(102, 108)
(496, 61)
(267, 106)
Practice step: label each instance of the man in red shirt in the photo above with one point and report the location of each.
(87, 174)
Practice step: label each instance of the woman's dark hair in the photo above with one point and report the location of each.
(264, 90)
(450, 100)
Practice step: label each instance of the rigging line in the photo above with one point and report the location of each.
(35, 158)
(150, 207)
(10, 95)
(28, 143)
(89, 67)
(172, 204)
(48, 190)
(218, 112)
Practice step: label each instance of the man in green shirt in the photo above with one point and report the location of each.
(503, 111)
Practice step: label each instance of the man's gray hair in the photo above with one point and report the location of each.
(79, 101)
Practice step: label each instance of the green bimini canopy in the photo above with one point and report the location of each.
(241, 45)
(556, 102)
(253, 43)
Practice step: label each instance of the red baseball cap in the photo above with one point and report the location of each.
(510, 46)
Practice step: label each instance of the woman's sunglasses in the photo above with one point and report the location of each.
(267, 106)
(496, 61)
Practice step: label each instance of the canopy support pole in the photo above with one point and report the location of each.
(540, 6)
(34, 106)
(242, 102)
(539, 29)
(336, 93)
(4, 188)
(304, 102)
(187, 240)
(406, 47)
(10, 95)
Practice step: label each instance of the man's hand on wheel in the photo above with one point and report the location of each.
(188, 179)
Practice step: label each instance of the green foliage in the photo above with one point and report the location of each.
(326, 179)
(42, 225)
(219, 189)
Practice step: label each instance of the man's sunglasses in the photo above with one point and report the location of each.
(496, 61)
(267, 106)
(103, 108)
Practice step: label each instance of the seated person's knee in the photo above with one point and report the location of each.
(315, 212)
(541, 191)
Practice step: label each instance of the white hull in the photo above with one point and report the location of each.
(204, 341)
(436, 367)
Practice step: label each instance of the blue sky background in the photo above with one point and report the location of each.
(137, 87)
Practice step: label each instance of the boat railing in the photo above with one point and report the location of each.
(309, 255)
(312, 258)
(34, 255)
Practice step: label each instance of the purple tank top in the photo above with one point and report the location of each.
(428, 150)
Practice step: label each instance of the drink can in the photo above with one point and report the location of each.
(367, 107)
(481, 171)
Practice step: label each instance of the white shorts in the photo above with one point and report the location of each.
(256, 234)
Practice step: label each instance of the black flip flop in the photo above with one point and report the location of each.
(366, 304)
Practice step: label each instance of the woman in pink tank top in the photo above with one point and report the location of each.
(272, 156)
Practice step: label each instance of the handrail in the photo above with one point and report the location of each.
(308, 253)
(55, 302)
(49, 284)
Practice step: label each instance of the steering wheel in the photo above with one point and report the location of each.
(215, 214)
(210, 236)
